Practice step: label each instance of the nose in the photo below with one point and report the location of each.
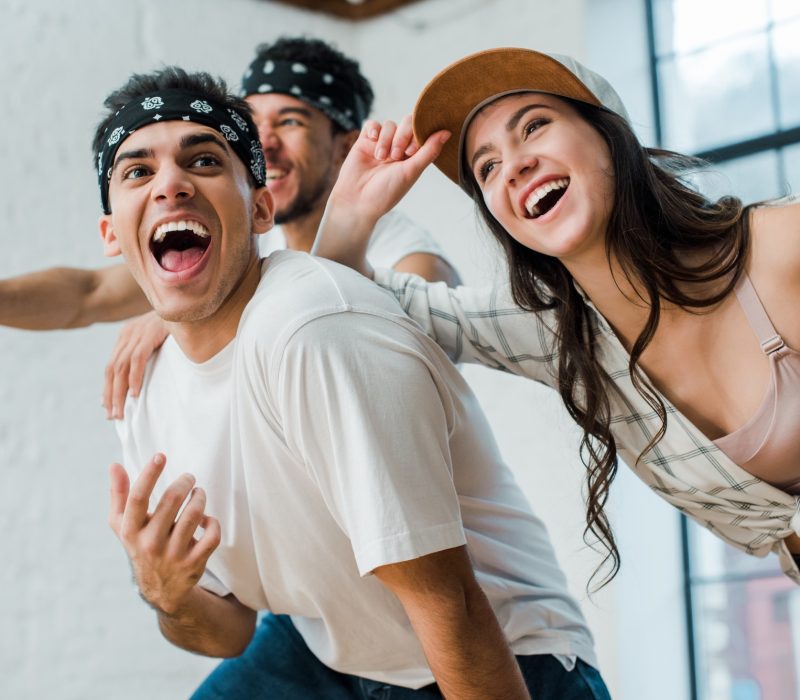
(268, 136)
(172, 184)
(517, 165)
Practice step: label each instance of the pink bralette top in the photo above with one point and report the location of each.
(768, 445)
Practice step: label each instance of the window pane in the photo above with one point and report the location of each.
(717, 96)
(751, 178)
(745, 639)
(712, 558)
(785, 9)
(786, 44)
(687, 25)
(791, 166)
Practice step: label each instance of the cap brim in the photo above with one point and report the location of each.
(448, 99)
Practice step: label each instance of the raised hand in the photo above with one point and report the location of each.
(381, 167)
(167, 557)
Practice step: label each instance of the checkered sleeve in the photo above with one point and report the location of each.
(479, 325)
(684, 468)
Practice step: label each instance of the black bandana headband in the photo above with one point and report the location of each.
(328, 94)
(174, 105)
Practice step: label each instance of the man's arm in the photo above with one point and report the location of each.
(465, 647)
(63, 297)
(210, 625)
(430, 267)
(168, 561)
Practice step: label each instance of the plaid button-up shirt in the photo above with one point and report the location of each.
(483, 325)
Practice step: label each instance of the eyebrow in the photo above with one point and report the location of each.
(190, 140)
(299, 110)
(186, 141)
(132, 155)
(511, 124)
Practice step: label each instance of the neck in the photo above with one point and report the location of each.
(620, 300)
(301, 231)
(201, 340)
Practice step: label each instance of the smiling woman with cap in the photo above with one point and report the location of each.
(665, 320)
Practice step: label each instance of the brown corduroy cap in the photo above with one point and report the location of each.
(452, 98)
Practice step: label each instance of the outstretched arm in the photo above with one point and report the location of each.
(62, 297)
(465, 647)
(381, 167)
(168, 561)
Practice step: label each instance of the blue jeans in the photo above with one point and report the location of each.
(277, 665)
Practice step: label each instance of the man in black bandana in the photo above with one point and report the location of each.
(340, 465)
(308, 101)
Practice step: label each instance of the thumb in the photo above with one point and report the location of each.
(428, 152)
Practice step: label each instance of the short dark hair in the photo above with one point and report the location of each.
(141, 85)
(322, 57)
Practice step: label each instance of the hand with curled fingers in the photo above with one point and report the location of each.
(137, 342)
(167, 557)
(383, 164)
(379, 170)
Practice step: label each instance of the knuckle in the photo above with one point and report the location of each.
(172, 498)
(137, 498)
(148, 546)
(125, 536)
(121, 367)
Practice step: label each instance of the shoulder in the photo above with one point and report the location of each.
(774, 264)
(397, 236)
(297, 288)
(775, 234)
(395, 221)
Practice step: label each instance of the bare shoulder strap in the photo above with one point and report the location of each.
(757, 316)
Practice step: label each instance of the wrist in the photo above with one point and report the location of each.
(168, 607)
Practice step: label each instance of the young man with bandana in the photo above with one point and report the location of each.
(308, 101)
(340, 465)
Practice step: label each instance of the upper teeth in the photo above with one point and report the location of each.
(536, 196)
(275, 173)
(193, 226)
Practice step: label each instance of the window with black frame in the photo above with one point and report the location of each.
(726, 79)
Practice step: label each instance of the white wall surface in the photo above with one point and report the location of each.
(71, 624)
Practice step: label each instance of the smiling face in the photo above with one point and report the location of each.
(303, 154)
(183, 214)
(544, 172)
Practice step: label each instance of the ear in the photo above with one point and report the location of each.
(110, 243)
(263, 208)
(344, 142)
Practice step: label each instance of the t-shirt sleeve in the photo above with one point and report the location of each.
(366, 413)
(212, 584)
(396, 237)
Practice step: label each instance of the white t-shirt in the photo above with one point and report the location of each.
(332, 437)
(395, 236)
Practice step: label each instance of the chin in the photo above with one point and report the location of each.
(183, 313)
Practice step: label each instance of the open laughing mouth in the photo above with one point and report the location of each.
(545, 197)
(276, 173)
(178, 246)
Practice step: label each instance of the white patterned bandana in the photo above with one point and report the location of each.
(175, 105)
(327, 93)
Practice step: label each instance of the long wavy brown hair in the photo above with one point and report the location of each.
(658, 224)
